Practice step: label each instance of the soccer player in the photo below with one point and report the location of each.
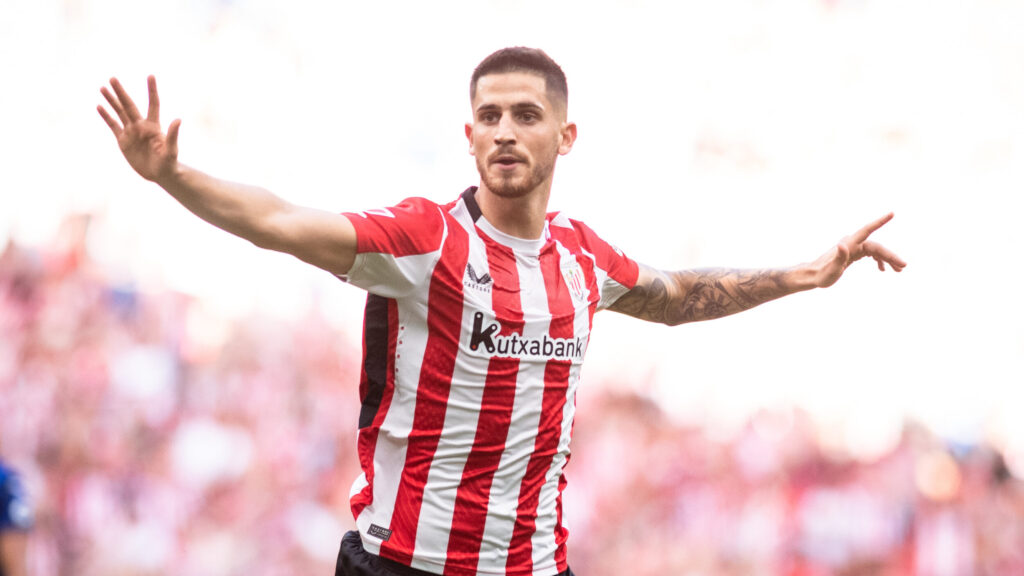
(15, 522)
(477, 320)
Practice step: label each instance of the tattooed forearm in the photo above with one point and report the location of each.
(715, 293)
(693, 295)
(645, 301)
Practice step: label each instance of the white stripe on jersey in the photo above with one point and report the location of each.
(526, 411)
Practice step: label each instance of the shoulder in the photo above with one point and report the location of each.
(576, 235)
(413, 206)
(414, 225)
(562, 227)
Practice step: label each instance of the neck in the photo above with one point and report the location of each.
(521, 216)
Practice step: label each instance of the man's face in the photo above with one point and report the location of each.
(517, 133)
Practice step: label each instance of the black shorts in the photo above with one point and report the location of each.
(354, 560)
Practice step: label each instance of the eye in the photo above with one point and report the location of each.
(528, 116)
(489, 117)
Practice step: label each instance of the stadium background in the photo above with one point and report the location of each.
(182, 403)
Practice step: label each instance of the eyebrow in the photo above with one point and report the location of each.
(518, 107)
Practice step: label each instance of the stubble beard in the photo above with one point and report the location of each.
(513, 185)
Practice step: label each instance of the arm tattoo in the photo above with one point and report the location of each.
(693, 295)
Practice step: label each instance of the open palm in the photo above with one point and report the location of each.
(145, 146)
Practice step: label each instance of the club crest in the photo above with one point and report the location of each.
(575, 281)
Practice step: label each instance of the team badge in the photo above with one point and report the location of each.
(575, 281)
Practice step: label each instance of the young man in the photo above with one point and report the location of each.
(477, 319)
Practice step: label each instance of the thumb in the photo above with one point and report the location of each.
(172, 138)
(842, 254)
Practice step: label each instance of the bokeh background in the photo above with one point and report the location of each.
(181, 402)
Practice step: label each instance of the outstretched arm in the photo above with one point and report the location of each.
(324, 239)
(703, 294)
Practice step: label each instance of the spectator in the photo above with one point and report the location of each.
(15, 522)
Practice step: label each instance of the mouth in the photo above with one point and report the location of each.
(506, 158)
(506, 161)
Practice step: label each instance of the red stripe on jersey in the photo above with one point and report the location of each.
(556, 385)
(444, 326)
(470, 514)
(412, 227)
(372, 352)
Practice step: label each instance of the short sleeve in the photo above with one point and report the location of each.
(616, 272)
(396, 247)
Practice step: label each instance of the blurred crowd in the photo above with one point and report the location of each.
(157, 437)
(666, 499)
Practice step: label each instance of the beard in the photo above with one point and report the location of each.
(515, 185)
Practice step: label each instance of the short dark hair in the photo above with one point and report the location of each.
(522, 59)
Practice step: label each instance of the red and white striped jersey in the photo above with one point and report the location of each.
(473, 344)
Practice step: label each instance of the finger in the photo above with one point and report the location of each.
(862, 234)
(115, 126)
(115, 105)
(126, 101)
(154, 101)
(881, 254)
(172, 138)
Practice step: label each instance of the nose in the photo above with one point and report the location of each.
(505, 132)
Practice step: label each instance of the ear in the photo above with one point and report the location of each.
(469, 136)
(568, 138)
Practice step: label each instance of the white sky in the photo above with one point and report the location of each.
(729, 133)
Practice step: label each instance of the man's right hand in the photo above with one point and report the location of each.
(151, 152)
(324, 239)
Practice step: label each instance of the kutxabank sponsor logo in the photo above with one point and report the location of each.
(515, 346)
